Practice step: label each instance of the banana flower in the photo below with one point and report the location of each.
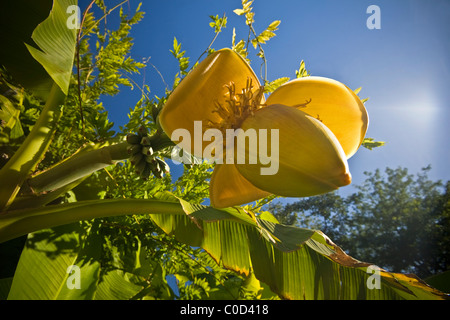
(314, 125)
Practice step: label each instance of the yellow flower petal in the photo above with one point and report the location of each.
(310, 159)
(196, 97)
(338, 107)
(229, 188)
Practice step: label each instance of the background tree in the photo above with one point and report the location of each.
(396, 220)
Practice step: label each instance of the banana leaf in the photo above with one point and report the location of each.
(294, 263)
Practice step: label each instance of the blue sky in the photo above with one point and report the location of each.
(404, 67)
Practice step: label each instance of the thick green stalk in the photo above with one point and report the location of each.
(78, 166)
(31, 152)
(16, 223)
(86, 162)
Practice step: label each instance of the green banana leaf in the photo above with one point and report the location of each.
(56, 44)
(63, 264)
(37, 48)
(294, 263)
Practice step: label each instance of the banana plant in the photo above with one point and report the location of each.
(294, 263)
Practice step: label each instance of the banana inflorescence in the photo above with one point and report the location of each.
(143, 157)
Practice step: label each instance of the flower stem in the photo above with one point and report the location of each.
(78, 166)
(86, 162)
(30, 153)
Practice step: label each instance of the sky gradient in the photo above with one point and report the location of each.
(403, 68)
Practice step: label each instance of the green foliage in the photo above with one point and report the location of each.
(183, 61)
(302, 72)
(357, 92)
(102, 70)
(273, 85)
(267, 34)
(370, 143)
(10, 109)
(396, 220)
(191, 186)
(246, 11)
(258, 40)
(218, 23)
(239, 47)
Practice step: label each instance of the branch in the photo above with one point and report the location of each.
(78, 65)
(212, 41)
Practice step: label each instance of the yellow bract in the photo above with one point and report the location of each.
(197, 96)
(338, 107)
(228, 187)
(318, 123)
(311, 160)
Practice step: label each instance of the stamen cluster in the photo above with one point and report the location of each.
(237, 107)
